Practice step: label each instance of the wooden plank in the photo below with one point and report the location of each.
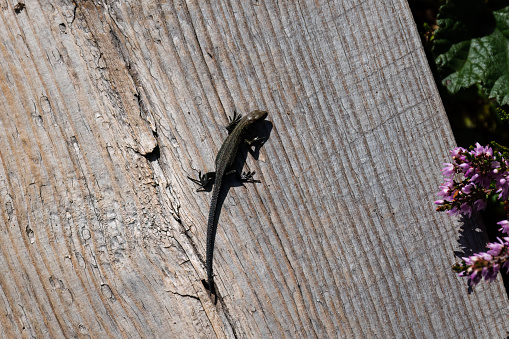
(107, 107)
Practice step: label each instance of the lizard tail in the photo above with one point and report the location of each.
(211, 232)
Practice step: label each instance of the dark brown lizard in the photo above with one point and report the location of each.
(238, 129)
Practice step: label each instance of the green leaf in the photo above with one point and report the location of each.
(471, 46)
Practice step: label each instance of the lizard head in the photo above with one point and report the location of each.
(256, 115)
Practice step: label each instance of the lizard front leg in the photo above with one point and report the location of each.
(256, 141)
(245, 176)
(248, 177)
(233, 121)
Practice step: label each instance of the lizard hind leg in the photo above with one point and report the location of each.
(203, 180)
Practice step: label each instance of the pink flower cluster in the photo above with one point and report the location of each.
(472, 177)
(487, 264)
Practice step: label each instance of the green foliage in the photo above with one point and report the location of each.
(471, 46)
(501, 149)
(502, 114)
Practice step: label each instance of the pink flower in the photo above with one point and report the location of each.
(457, 152)
(481, 180)
(496, 247)
(468, 188)
(448, 170)
(475, 278)
(464, 167)
(485, 174)
(447, 190)
(466, 209)
(490, 273)
(504, 226)
(503, 188)
(480, 204)
(453, 211)
(479, 150)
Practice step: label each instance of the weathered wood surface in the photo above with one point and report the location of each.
(106, 107)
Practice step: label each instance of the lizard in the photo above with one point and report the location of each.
(238, 129)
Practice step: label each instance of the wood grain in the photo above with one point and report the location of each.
(106, 107)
